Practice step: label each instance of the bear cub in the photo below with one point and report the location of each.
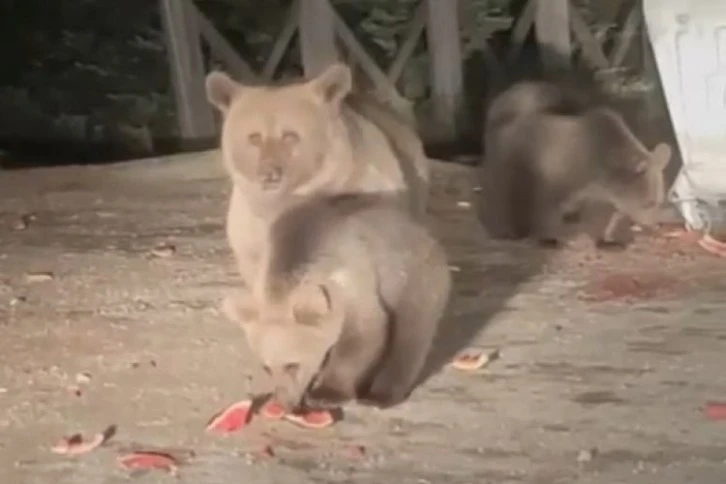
(547, 153)
(347, 304)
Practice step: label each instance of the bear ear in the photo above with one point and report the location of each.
(239, 307)
(311, 304)
(661, 155)
(333, 84)
(221, 89)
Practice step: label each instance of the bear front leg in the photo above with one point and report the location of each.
(608, 239)
(347, 363)
(246, 234)
(494, 202)
(248, 266)
(332, 389)
(548, 222)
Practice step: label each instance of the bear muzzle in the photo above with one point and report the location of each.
(270, 177)
(289, 399)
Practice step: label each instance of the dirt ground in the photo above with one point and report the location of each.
(607, 358)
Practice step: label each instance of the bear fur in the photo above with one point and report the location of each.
(307, 137)
(547, 153)
(348, 302)
(527, 97)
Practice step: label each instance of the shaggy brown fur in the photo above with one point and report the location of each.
(309, 137)
(541, 164)
(347, 304)
(527, 97)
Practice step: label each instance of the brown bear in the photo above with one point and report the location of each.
(544, 161)
(305, 137)
(347, 304)
(527, 97)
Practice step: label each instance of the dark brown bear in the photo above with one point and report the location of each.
(546, 153)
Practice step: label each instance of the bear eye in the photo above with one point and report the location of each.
(254, 138)
(290, 137)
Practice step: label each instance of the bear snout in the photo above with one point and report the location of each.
(270, 176)
(288, 400)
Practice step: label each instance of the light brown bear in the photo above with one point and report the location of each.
(541, 164)
(348, 302)
(308, 137)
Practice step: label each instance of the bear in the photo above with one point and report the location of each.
(349, 299)
(319, 135)
(533, 96)
(541, 166)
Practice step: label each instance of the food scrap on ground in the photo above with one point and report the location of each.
(33, 277)
(232, 418)
(471, 361)
(706, 241)
(712, 246)
(83, 378)
(312, 419)
(675, 231)
(586, 455)
(619, 286)
(18, 300)
(76, 445)
(147, 460)
(240, 414)
(272, 410)
(20, 224)
(715, 410)
(23, 222)
(163, 250)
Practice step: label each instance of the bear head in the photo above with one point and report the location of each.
(277, 140)
(291, 336)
